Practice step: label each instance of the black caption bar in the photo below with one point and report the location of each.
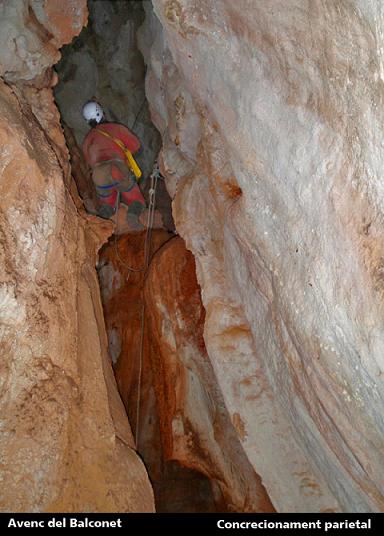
(214, 523)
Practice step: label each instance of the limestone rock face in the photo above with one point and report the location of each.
(182, 415)
(195, 427)
(176, 488)
(81, 172)
(271, 118)
(122, 291)
(66, 444)
(31, 33)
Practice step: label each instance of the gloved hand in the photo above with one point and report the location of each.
(106, 211)
(126, 184)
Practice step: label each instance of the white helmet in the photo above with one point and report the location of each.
(93, 111)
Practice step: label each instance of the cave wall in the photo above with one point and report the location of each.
(270, 114)
(196, 429)
(271, 119)
(186, 438)
(65, 443)
(32, 33)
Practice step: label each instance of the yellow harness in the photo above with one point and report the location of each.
(131, 161)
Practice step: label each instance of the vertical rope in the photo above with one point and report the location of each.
(147, 258)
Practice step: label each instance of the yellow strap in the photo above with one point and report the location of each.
(131, 161)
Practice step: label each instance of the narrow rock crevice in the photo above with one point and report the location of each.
(241, 370)
(187, 471)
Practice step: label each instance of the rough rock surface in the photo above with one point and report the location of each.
(81, 172)
(195, 427)
(65, 442)
(176, 488)
(122, 301)
(271, 118)
(31, 33)
(183, 418)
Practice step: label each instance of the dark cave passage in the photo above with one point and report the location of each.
(105, 64)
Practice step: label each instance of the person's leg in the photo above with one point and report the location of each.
(106, 189)
(134, 200)
(107, 205)
(131, 196)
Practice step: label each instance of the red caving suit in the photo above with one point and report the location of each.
(110, 172)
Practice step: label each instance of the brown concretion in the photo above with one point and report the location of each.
(183, 420)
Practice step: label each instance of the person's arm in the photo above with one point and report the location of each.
(85, 148)
(131, 141)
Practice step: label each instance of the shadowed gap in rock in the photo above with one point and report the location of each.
(104, 63)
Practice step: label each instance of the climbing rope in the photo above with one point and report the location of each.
(147, 258)
(138, 113)
(147, 249)
(150, 219)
